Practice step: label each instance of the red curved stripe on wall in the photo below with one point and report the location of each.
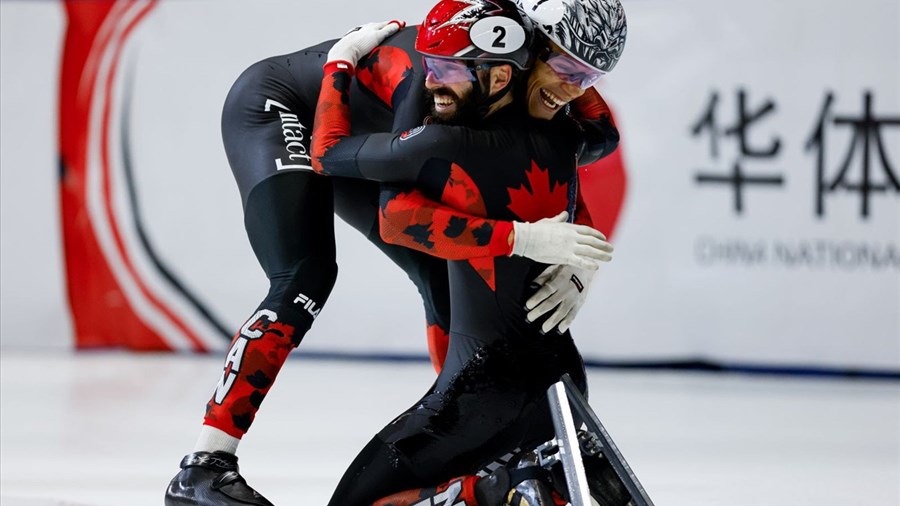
(102, 314)
(108, 195)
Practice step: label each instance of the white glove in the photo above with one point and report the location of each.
(553, 241)
(563, 287)
(361, 41)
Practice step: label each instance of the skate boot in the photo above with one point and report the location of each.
(211, 479)
(532, 493)
(520, 483)
(603, 483)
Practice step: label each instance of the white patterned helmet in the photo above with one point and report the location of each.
(592, 31)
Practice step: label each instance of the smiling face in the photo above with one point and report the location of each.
(546, 92)
(452, 97)
(447, 101)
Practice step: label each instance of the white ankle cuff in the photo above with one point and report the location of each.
(212, 439)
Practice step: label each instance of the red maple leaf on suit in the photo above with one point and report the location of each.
(462, 193)
(540, 197)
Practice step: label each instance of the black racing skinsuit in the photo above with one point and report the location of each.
(490, 395)
(266, 127)
(288, 212)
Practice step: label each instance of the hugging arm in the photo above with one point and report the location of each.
(384, 157)
(600, 136)
(409, 218)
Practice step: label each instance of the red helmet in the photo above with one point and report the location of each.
(492, 30)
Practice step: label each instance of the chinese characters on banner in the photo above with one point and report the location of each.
(866, 168)
(738, 178)
(861, 166)
(875, 173)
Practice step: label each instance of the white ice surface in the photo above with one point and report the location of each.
(108, 429)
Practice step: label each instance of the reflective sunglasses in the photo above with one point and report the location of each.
(571, 70)
(446, 71)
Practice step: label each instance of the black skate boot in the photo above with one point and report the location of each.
(519, 483)
(211, 479)
(603, 483)
(532, 492)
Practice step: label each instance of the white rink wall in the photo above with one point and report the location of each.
(777, 283)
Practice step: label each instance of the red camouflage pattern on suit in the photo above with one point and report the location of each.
(383, 70)
(255, 356)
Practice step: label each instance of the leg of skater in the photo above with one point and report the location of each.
(288, 215)
(481, 406)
